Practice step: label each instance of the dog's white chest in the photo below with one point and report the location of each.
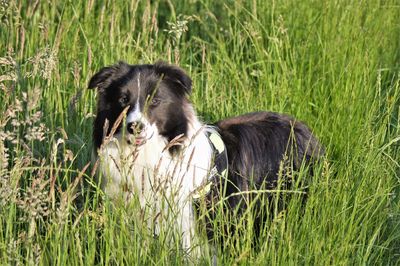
(162, 183)
(149, 170)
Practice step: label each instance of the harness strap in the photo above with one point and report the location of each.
(220, 162)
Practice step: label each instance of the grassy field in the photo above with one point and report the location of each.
(333, 64)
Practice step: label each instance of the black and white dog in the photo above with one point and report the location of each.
(151, 145)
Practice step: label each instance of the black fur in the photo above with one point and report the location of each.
(261, 147)
(258, 144)
(117, 88)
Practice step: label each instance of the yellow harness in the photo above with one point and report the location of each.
(220, 168)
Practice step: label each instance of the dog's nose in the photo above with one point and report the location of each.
(135, 127)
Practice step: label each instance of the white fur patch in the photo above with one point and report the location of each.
(157, 179)
(135, 115)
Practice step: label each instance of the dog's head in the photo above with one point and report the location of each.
(154, 96)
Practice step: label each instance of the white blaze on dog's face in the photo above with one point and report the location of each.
(155, 95)
(136, 123)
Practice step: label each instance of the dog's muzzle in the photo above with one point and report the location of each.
(136, 133)
(135, 127)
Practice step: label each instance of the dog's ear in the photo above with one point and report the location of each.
(107, 75)
(175, 75)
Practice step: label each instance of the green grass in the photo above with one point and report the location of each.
(333, 64)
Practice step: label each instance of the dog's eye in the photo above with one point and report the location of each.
(155, 102)
(123, 100)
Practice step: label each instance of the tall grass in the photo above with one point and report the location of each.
(333, 64)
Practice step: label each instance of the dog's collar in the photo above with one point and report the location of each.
(220, 163)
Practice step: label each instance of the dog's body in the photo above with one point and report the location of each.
(162, 152)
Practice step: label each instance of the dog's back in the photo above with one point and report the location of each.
(258, 143)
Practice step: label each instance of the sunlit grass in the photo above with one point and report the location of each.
(333, 64)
